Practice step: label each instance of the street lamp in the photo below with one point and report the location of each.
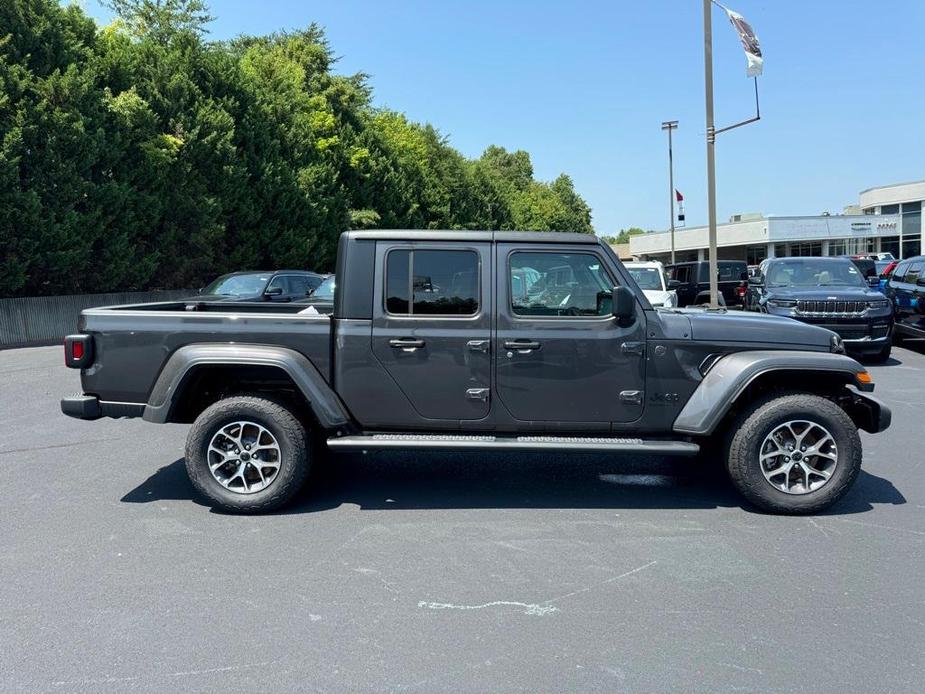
(670, 125)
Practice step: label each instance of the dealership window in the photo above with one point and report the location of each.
(432, 282)
(838, 247)
(912, 228)
(807, 248)
(890, 244)
(868, 210)
(780, 250)
(864, 245)
(559, 284)
(889, 209)
(755, 254)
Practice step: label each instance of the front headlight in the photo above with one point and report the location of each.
(878, 303)
(782, 303)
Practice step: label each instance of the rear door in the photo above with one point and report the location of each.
(915, 307)
(432, 325)
(560, 355)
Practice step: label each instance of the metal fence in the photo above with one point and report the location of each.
(43, 320)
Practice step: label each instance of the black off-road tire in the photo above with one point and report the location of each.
(759, 420)
(295, 453)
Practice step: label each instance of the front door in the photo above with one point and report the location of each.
(432, 326)
(560, 354)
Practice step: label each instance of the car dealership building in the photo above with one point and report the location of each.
(887, 219)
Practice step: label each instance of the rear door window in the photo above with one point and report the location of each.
(432, 282)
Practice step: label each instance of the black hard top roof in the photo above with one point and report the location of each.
(463, 235)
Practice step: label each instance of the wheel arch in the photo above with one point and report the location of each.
(738, 379)
(197, 375)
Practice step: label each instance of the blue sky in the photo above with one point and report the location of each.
(584, 87)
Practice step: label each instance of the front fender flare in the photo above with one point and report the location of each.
(323, 401)
(733, 373)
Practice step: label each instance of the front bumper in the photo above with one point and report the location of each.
(869, 413)
(90, 407)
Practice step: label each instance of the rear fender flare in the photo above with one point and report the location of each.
(324, 403)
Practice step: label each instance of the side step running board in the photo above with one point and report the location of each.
(524, 443)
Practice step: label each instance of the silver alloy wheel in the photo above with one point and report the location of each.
(244, 457)
(798, 457)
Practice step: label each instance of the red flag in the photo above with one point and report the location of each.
(678, 196)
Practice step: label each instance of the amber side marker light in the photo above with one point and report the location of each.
(864, 380)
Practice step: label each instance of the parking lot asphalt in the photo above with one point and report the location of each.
(447, 572)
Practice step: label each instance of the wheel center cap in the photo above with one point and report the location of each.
(797, 456)
(245, 457)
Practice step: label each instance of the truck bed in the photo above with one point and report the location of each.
(133, 342)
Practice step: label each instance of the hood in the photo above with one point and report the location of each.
(829, 293)
(742, 326)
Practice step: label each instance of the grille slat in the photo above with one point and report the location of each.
(826, 308)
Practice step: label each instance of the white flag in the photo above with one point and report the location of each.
(749, 42)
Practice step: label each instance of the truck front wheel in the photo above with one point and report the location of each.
(247, 454)
(794, 454)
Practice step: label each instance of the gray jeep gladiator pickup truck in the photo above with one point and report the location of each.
(470, 340)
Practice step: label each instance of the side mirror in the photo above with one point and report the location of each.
(873, 281)
(624, 305)
(674, 284)
(756, 280)
(273, 291)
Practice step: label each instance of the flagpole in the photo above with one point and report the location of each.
(670, 125)
(711, 140)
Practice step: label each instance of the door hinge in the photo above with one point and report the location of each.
(633, 396)
(633, 347)
(477, 394)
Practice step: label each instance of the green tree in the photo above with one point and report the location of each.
(624, 235)
(138, 155)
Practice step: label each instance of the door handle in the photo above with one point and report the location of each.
(521, 346)
(477, 345)
(408, 344)
(480, 394)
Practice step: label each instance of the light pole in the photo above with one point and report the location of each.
(752, 50)
(670, 125)
(711, 141)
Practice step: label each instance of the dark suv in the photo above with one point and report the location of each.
(906, 290)
(829, 292)
(281, 285)
(693, 281)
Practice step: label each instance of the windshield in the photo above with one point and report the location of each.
(325, 290)
(814, 273)
(239, 285)
(647, 277)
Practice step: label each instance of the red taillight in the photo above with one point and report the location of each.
(78, 351)
(740, 291)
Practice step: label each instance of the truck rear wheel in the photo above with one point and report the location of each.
(247, 454)
(794, 454)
